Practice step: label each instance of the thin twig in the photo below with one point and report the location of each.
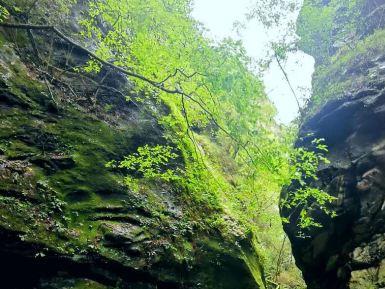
(288, 82)
(98, 88)
(34, 46)
(158, 85)
(279, 258)
(50, 91)
(91, 54)
(190, 133)
(32, 7)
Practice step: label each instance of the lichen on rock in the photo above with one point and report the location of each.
(68, 221)
(347, 111)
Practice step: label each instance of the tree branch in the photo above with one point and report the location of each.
(90, 53)
(288, 82)
(158, 85)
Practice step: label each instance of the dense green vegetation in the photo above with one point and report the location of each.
(331, 81)
(225, 154)
(322, 26)
(336, 34)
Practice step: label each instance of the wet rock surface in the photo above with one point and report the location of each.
(349, 250)
(67, 221)
(337, 254)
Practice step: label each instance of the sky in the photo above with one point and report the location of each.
(219, 16)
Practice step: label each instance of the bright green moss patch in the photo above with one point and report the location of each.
(348, 71)
(334, 33)
(85, 208)
(323, 26)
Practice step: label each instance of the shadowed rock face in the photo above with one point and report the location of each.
(354, 129)
(67, 221)
(349, 250)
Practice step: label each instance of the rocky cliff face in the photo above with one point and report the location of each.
(349, 250)
(67, 221)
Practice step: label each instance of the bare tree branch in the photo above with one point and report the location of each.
(60, 34)
(158, 85)
(288, 82)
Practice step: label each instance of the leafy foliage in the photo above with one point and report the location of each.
(151, 162)
(236, 158)
(3, 13)
(275, 13)
(218, 121)
(305, 197)
(41, 11)
(324, 27)
(160, 41)
(339, 40)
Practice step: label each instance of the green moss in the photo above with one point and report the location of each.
(253, 261)
(332, 33)
(346, 72)
(87, 284)
(321, 26)
(17, 149)
(91, 145)
(2, 40)
(65, 207)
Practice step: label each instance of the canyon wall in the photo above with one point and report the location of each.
(67, 220)
(347, 109)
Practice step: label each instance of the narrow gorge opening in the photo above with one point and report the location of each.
(148, 144)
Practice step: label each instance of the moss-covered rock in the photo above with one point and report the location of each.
(68, 221)
(347, 111)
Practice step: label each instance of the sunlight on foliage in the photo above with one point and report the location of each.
(151, 163)
(305, 197)
(4, 14)
(41, 11)
(321, 25)
(236, 158)
(225, 156)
